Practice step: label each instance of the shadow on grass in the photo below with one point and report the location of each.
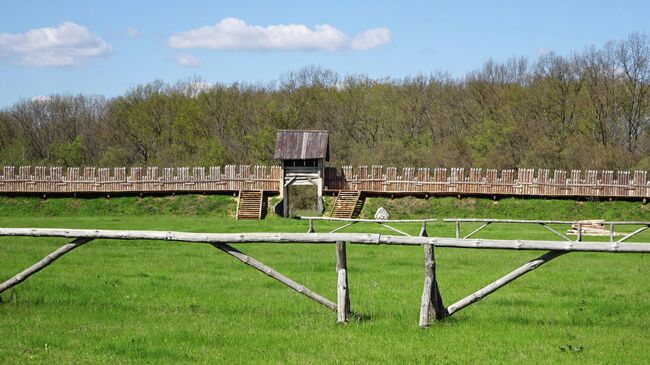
(360, 317)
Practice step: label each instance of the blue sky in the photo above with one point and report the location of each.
(107, 47)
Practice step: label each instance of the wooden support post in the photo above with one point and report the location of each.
(274, 274)
(343, 295)
(579, 237)
(457, 229)
(503, 281)
(611, 232)
(47, 260)
(423, 230)
(431, 306)
(311, 227)
(285, 201)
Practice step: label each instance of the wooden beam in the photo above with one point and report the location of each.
(257, 265)
(342, 227)
(483, 220)
(342, 293)
(394, 229)
(431, 306)
(372, 220)
(423, 230)
(556, 232)
(503, 281)
(477, 230)
(630, 235)
(329, 238)
(43, 263)
(287, 183)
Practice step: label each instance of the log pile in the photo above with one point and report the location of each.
(594, 227)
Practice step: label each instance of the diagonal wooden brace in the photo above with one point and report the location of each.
(47, 260)
(274, 274)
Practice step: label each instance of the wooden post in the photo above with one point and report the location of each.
(311, 227)
(579, 237)
(431, 306)
(343, 295)
(285, 201)
(23, 275)
(611, 232)
(423, 230)
(457, 229)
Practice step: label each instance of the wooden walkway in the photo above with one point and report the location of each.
(375, 180)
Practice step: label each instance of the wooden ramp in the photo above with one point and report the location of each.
(348, 204)
(250, 204)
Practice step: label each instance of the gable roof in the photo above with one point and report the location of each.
(302, 145)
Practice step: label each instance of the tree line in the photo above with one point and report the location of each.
(587, 110)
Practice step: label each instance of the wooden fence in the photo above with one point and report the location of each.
(26, 179)
(476, 181)
(374, 179)
(431, 306)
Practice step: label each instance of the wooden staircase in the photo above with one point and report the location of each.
(348, 204)
(251, 204)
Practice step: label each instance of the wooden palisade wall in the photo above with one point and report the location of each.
(375, 179)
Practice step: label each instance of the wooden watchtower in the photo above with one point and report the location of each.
(302, 154)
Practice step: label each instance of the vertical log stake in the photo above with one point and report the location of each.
(343, 295)
(431, 306)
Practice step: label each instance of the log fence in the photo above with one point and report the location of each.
(431, 307)
(57, 180)
(370, 180)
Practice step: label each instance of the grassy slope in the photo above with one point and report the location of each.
(152, 302)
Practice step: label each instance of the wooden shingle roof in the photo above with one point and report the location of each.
(302, 145)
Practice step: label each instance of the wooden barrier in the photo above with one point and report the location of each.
(431, 307)
(477, 181)
(56, 180)
(375, 180)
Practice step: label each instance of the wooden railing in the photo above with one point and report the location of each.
(431, 305)
(476, 181)
(375, 179)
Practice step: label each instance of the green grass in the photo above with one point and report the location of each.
(163, 302)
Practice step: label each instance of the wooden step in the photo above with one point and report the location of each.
(251, 204)
(348, 204)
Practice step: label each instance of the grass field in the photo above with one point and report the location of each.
(162, 302)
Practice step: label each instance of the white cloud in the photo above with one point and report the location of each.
(68, 44)
(370, 38)
(188, 60)
(132, 32)
(235, 34)
(41, 98)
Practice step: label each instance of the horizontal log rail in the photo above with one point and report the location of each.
(431, 307)
(327, 238)
(528, 221)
